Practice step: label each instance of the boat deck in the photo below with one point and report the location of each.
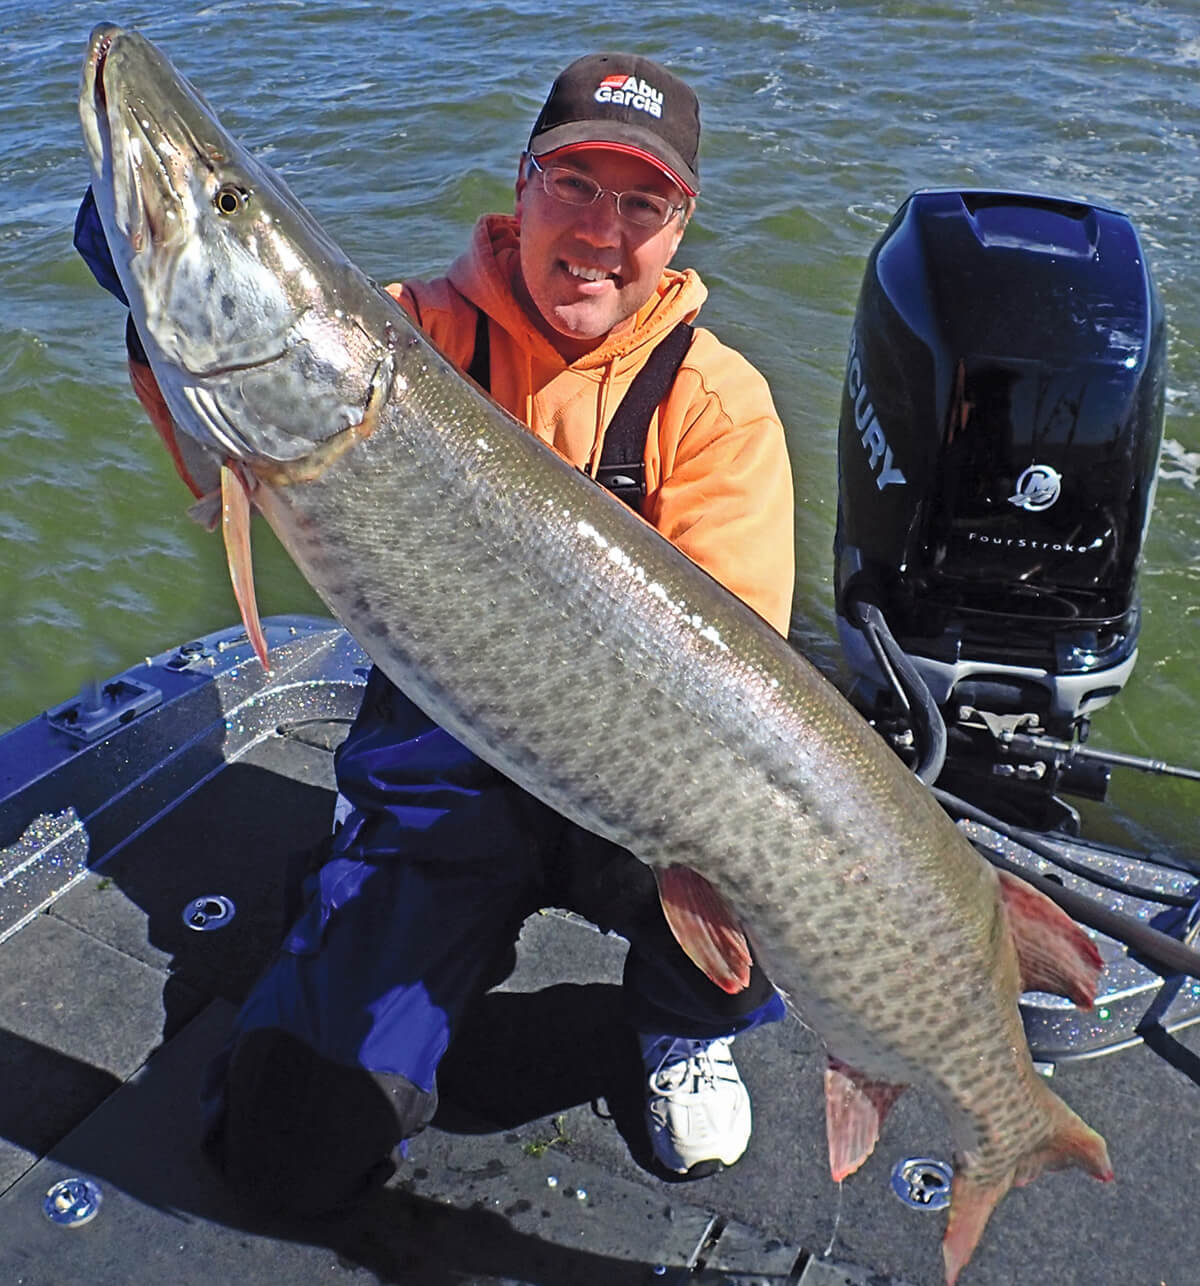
(535, 1171)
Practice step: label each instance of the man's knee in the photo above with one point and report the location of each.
(298, 1134)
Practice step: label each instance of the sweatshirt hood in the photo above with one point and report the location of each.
(487, 274)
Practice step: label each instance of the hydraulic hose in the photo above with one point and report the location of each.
(928, 725)
(1165, 952)
(1038, 844)
(1168, 954)
(1114, 757)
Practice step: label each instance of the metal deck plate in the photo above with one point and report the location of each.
(108, 970)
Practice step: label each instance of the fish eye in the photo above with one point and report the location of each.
(230, 198)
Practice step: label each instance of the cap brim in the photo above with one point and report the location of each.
(618, 136)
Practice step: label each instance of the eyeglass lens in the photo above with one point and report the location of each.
(645, 208)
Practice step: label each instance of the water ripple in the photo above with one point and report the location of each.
(819, 117)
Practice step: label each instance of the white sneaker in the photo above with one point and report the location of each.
(697, 1109)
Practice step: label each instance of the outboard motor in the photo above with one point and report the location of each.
(998, 448)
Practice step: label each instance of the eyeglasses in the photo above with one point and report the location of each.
(646, 209)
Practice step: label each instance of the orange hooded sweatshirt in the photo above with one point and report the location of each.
(718, 481)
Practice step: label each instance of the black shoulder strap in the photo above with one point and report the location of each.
(622, 466)
(480, 369)
(622, 462)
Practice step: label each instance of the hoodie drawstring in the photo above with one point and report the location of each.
(529, 391)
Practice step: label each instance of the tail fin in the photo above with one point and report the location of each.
(1071, 1142)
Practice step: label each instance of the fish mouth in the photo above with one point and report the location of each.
(146, 155)
(102, 39)
(93, 101)
(159, 158)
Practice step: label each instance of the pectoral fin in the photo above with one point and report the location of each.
(705, 927)
(235, 527)
(1056, 955)
(855, 1108)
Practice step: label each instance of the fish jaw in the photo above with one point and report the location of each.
(252, 321)
(250, 316)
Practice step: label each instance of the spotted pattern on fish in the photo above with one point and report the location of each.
(561, 638)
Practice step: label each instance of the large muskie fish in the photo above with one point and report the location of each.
(562, 639)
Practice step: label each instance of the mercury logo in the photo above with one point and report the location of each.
(879, 454)
(630, 91)
(1037, 488)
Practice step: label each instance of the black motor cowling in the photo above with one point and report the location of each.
(998, 447)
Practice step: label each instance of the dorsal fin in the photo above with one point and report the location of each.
(1056, 955)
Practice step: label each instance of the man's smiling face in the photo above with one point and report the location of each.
(586, 270)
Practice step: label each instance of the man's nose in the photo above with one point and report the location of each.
(600, 221)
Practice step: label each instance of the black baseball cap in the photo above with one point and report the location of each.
(627, 103)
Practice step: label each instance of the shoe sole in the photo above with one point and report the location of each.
(701, 1170)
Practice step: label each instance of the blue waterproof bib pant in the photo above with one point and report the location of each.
(335, 1052)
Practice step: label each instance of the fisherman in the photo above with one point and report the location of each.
(568, 313)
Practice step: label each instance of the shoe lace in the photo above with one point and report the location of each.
(690, 1064)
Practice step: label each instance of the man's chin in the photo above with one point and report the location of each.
(582, 325)
(588, 325)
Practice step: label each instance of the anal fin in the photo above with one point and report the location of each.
(705, 927)
(855, 1109)
(1056, 955)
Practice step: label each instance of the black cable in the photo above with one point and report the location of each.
(1167, 954)
(1043, 848)
(928, 724)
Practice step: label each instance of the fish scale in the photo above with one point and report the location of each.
(562, 639)
(621, 614)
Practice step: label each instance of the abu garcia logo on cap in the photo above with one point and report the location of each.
(629, 91)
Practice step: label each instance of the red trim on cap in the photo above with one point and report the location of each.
(626, 149)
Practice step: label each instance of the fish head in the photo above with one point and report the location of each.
(251, 317)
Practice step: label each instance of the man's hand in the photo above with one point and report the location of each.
(92, 245)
